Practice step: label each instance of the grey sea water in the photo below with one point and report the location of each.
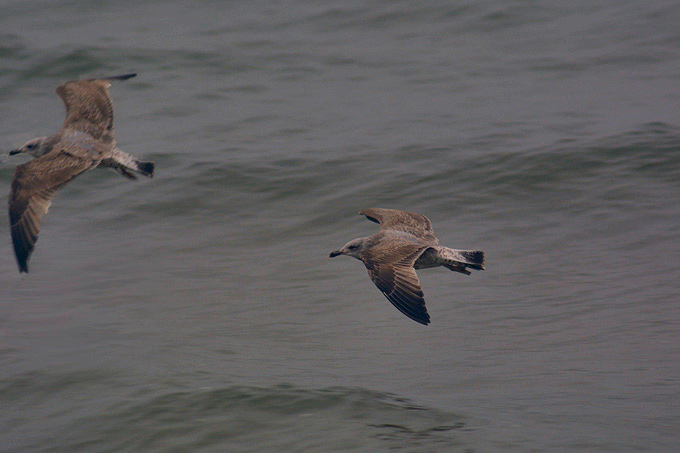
(199, 310)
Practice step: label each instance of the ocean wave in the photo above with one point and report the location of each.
(238, 417)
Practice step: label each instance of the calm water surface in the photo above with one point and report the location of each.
(199, 310)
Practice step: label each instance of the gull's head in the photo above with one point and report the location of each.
(352, 248)
(35, 147)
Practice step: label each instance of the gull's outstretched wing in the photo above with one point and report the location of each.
(33, 186)
(390, 266)
(89, 107)
(409, 222)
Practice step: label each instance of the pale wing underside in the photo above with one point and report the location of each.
(33, 186)
(409, 222)
(390, 266)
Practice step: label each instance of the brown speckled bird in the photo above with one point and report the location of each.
(406, 242)
(85, 141)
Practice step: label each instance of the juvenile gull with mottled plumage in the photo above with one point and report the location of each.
(406, 242)
(85, 141)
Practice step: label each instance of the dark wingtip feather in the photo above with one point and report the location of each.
(402, 302)
(23, 243)
(421, 318)
(21, 254)
(116, 77)
(22, 262)
(364, 212)
(122, 77)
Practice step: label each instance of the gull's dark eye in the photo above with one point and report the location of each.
(31, 146)
(353, 247)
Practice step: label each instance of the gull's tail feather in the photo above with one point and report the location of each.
(473, 258)
(460, 260)
(138, 166)
(125, 164)
(146, 168)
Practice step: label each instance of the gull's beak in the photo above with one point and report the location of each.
(336, 253)
(14, 151)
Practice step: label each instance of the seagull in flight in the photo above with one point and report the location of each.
(406, 242)
(85, 141)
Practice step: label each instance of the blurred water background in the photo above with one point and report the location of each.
(199, 310)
